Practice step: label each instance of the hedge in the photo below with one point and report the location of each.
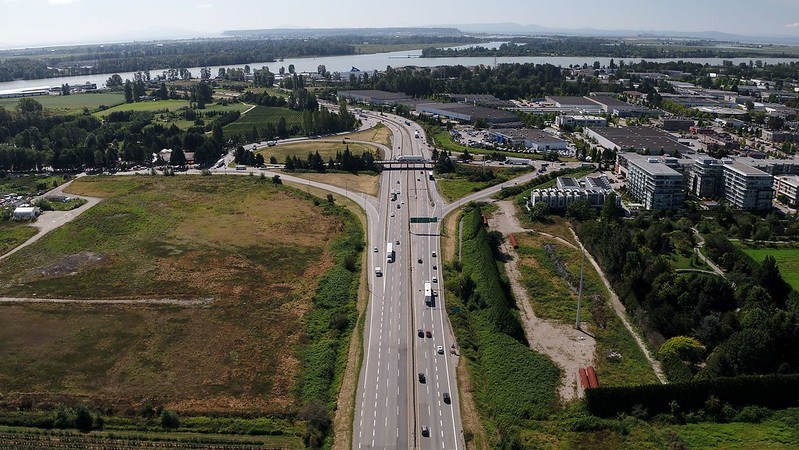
(771, 391)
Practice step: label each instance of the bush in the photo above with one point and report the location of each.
(169, 420)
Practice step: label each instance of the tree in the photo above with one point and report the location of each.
(291, 68)
(29, 108)
(217, 133)
(65, 90)
(84, 421)
(611, 209)
(276, 179)
(114, 81)
(321, 70)
(169, 420)
(128, 92)
(177, 158)
(580, 210)
(539, 211)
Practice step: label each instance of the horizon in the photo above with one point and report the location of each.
(73, 22)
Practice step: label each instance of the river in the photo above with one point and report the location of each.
(379, 61)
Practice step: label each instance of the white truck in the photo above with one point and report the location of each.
(390, 252)
(428, 293)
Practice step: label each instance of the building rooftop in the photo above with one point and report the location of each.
(642, 138)
(570, 100)
(528, 134)
(652, 165)
(380, 95)
(475, 112)
(744, 169)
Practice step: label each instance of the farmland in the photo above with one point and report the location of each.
(787, 260)
(151, 106)
(259, 117)
(71, 104)
(229, 240)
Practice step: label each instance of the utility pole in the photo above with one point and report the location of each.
(580, 292)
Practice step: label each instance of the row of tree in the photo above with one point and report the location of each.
(346, 161)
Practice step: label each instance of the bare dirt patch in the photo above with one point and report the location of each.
(71, 264)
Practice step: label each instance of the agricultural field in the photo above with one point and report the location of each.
(259, 117)
(787, 261)
(71, 104)
(553, 298)
(152, 106)
(327, 149)
(226, 246)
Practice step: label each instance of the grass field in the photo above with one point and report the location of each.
(552, 298)
(787, 260)
(379, 134)
(170, 105)
(232, 239)
(14, 233)
(259, 117)
(70, 104)
(360, 182)
(29, 184)
(184, 124)
(326, 149)
(454, 186)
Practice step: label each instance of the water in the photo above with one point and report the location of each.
(379, 61)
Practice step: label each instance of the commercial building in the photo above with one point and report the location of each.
(26, 92)
(677, 124)
(580, 121)
(468, 113)
(26, 212)
(640, 139)
(373, 97)
(653, 181)
(741, 185)
(481, 100)
(528, 138)
(610, 105)
(568, 190)
(787, 186)
(780, 136)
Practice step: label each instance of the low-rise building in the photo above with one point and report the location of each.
(786, 188)
(580, 121)
(26, 212)
(641, 139)
(536, 140)
(468, 113)
(568, 190)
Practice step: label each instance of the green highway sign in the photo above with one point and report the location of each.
(424, 219)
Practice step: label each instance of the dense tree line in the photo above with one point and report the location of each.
(346, 161)
(130, 57)
(31, 140)
(599, 47)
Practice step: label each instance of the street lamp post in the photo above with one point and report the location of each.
(580, 293)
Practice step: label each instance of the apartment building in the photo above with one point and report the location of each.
(652, 180)
(739, 184)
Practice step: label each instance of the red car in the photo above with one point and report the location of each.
(428, 333)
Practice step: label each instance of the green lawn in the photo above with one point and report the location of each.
(454, 186)
(326, 149)
(176, 117)
(14, 233)
(159, 105)
(787, 260)
(71, 104)
(259, 117)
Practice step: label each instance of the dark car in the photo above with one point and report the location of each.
(426, 431)
(420, 260)
(447, 400)
(428, 333)
(420, 333)
(422, 378)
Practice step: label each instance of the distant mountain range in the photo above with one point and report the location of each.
(322, 32)
(517, 29)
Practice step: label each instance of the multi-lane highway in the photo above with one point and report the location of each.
(392, 405)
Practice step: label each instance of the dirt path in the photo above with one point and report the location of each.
(621, 312)
(570, 349)
(142, 301)
(50, 220)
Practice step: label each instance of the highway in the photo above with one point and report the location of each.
(392, 405)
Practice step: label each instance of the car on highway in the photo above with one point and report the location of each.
(447, 399)
(428, 333)
(420, 333)
(420, 260)
(435, 267)
(396, 243)
(435, 279)
(440, 350)
(422, 378)
(426, 431)
(374, 249)
(398, 206)
(392, 214)
(434, 253)
(398, 181)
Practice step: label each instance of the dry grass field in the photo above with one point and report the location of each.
(232, 239)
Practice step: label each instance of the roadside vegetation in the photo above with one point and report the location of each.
(465, 179)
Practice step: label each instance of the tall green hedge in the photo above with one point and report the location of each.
(771, 391)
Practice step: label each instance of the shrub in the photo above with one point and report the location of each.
(169, 420)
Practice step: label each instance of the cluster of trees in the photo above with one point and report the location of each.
(31, 140)
(248, 158)
(346, 161)
(745, 324)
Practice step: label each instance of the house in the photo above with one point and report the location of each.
(26, 212)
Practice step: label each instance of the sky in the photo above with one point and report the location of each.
(50, 22)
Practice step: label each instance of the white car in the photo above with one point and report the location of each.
(392, 214)
(440, 350)
(435, 279)
(374, 249)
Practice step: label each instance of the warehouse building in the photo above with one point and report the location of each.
(640, 139)
(536, 140)
(373, 97)
(566, 121)
(468, 113)
(611, 105)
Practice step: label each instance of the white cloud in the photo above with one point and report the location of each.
(792, 25)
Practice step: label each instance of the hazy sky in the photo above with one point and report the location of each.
(32, 22)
